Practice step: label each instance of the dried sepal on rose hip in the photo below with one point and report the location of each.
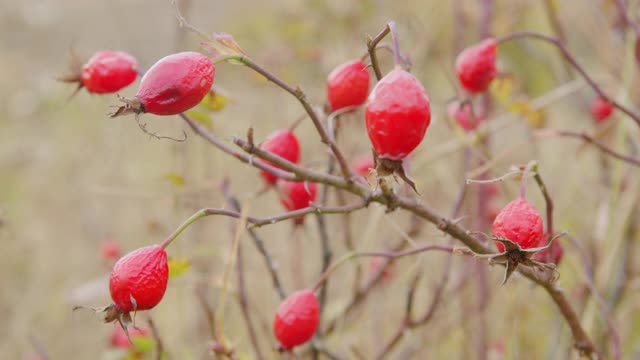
(397, 114)
(518, 232)
(138, 282)
(476, 66)
(283, 143)
(106, 72)
(348, 85)
(296, 319)
(173, 85)
(552, 255)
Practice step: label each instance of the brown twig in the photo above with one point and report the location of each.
(157, 338)
(371, 48)
(583, 136)
(573, 62)
(259, 243)
(614, 337)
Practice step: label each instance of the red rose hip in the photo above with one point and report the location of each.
(601, 109)
(519, 222)
(284, 144)
(109, 72)
(139, 279)
(397, 115)
(364, 165)
(296, 195)
(174, 84)
(464, 116)
(296, 319)
(348, 85)
(110, 250)
(476, 66)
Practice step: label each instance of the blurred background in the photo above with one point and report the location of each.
(71, 178)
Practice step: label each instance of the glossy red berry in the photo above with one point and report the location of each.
(118, 338)
(296, 319)
(348, 85)
(476, 66)
(519, 222)
(139, 279)
(397, 115)
(296, 195)
(464, 116)
(601, 109)
(108, 72)
(364, 165)
(553, 254)
(284, 144)
(110, 250)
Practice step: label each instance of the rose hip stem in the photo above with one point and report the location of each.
(573, 62)
(523, 181)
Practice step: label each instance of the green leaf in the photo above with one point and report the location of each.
(200, 116)
(142, 343)
(178, 267)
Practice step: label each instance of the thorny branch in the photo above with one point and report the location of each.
(573, 62)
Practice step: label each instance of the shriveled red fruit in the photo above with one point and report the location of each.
(397, 115)
(348, 85)
(296, 319)
(118, 338)
(109, 71)
(364, 165)
(553, 254)
(476, 66)
(284, 144)
(296, 195)
(110, 250)
(520, 222)
(464, 116)
(601, 109)
(139, 279)
(174, 84)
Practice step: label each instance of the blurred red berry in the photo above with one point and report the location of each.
(519, 222)
(139, 279)
(376, 264)
(110, 250)
(296, 319)
(284, 144)
(476, 66)
(296, 195)
(364, 165)
(601, 109)
(551, 255)
(464, 115)
(118, 338)
(348, 85)
(397, 115)
(109, 72)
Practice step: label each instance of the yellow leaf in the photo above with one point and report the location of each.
(214, 101)
(174, 179)
(200, 116)
(502, 88)
(178, 267)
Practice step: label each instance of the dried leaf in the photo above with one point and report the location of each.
(214, 101)
(175, 179)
